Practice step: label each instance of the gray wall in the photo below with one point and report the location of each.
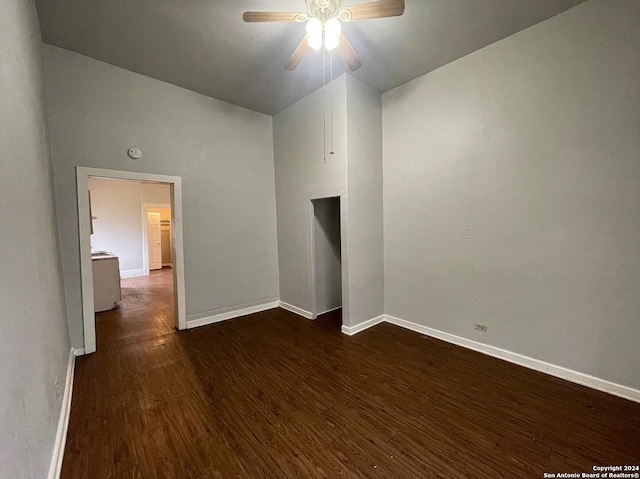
(365, 236)
(532, 143)
(327, 255)
(303, 175)
(354, 172)
(34, 344)
(223, 153)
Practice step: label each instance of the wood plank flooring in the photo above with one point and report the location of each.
(273, 395)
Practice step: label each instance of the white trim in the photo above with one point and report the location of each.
(362, 326)
(132, 273)
(216, 318)
(532, 363)
(329, 310)
(296, 310)
(177, 253)
(312, 241)
(78, 352)
(86, 272)
(344, 252)
(63, 423)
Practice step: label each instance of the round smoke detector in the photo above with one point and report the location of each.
(134, 153)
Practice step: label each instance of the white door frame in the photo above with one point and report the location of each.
(344, 253)
(312, 238)
(84, 231)
(145, 233)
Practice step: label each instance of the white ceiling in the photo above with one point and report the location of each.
(204, 45)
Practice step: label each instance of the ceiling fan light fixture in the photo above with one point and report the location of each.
(324, 28)
(332, 33)
(314, 33)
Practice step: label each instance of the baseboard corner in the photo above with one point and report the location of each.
(236, 313)
(132, 273)
(351, 330)
(330, 310)
(296, 310)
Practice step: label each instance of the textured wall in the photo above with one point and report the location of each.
(532, 144)
(223, 153)
(34, 344)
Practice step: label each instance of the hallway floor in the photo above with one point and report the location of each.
(144, 313)
(272, 395)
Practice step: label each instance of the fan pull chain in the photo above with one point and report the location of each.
(324, 103)
(331, 152)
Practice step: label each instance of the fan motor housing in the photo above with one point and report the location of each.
(323, 8)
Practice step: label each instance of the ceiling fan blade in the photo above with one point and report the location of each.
(367, 11)
(272, 17)
(298, 53)
(348, 54)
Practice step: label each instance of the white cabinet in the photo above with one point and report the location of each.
(106, 281)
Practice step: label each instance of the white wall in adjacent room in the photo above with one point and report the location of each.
(532, 145)
(34, 339)
(119, 221)
(223, 153)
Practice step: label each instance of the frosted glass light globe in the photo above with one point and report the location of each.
(332, 33)
(314, 33)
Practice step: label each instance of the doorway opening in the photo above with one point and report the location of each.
(131, 257)
(157, 248)
(327, 259)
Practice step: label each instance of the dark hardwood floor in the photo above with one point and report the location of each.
(275, 395)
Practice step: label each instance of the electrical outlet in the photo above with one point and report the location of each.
(481, 327)
(465, 233)
(57, 385)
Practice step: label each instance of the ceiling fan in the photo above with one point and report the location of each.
(323, 19)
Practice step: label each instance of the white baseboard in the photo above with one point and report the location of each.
(329, 310)
(296, 310)
(78, 351)
(531, 363)
(132, 273)
(362, 326)
(216, 318)
(63, 422)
